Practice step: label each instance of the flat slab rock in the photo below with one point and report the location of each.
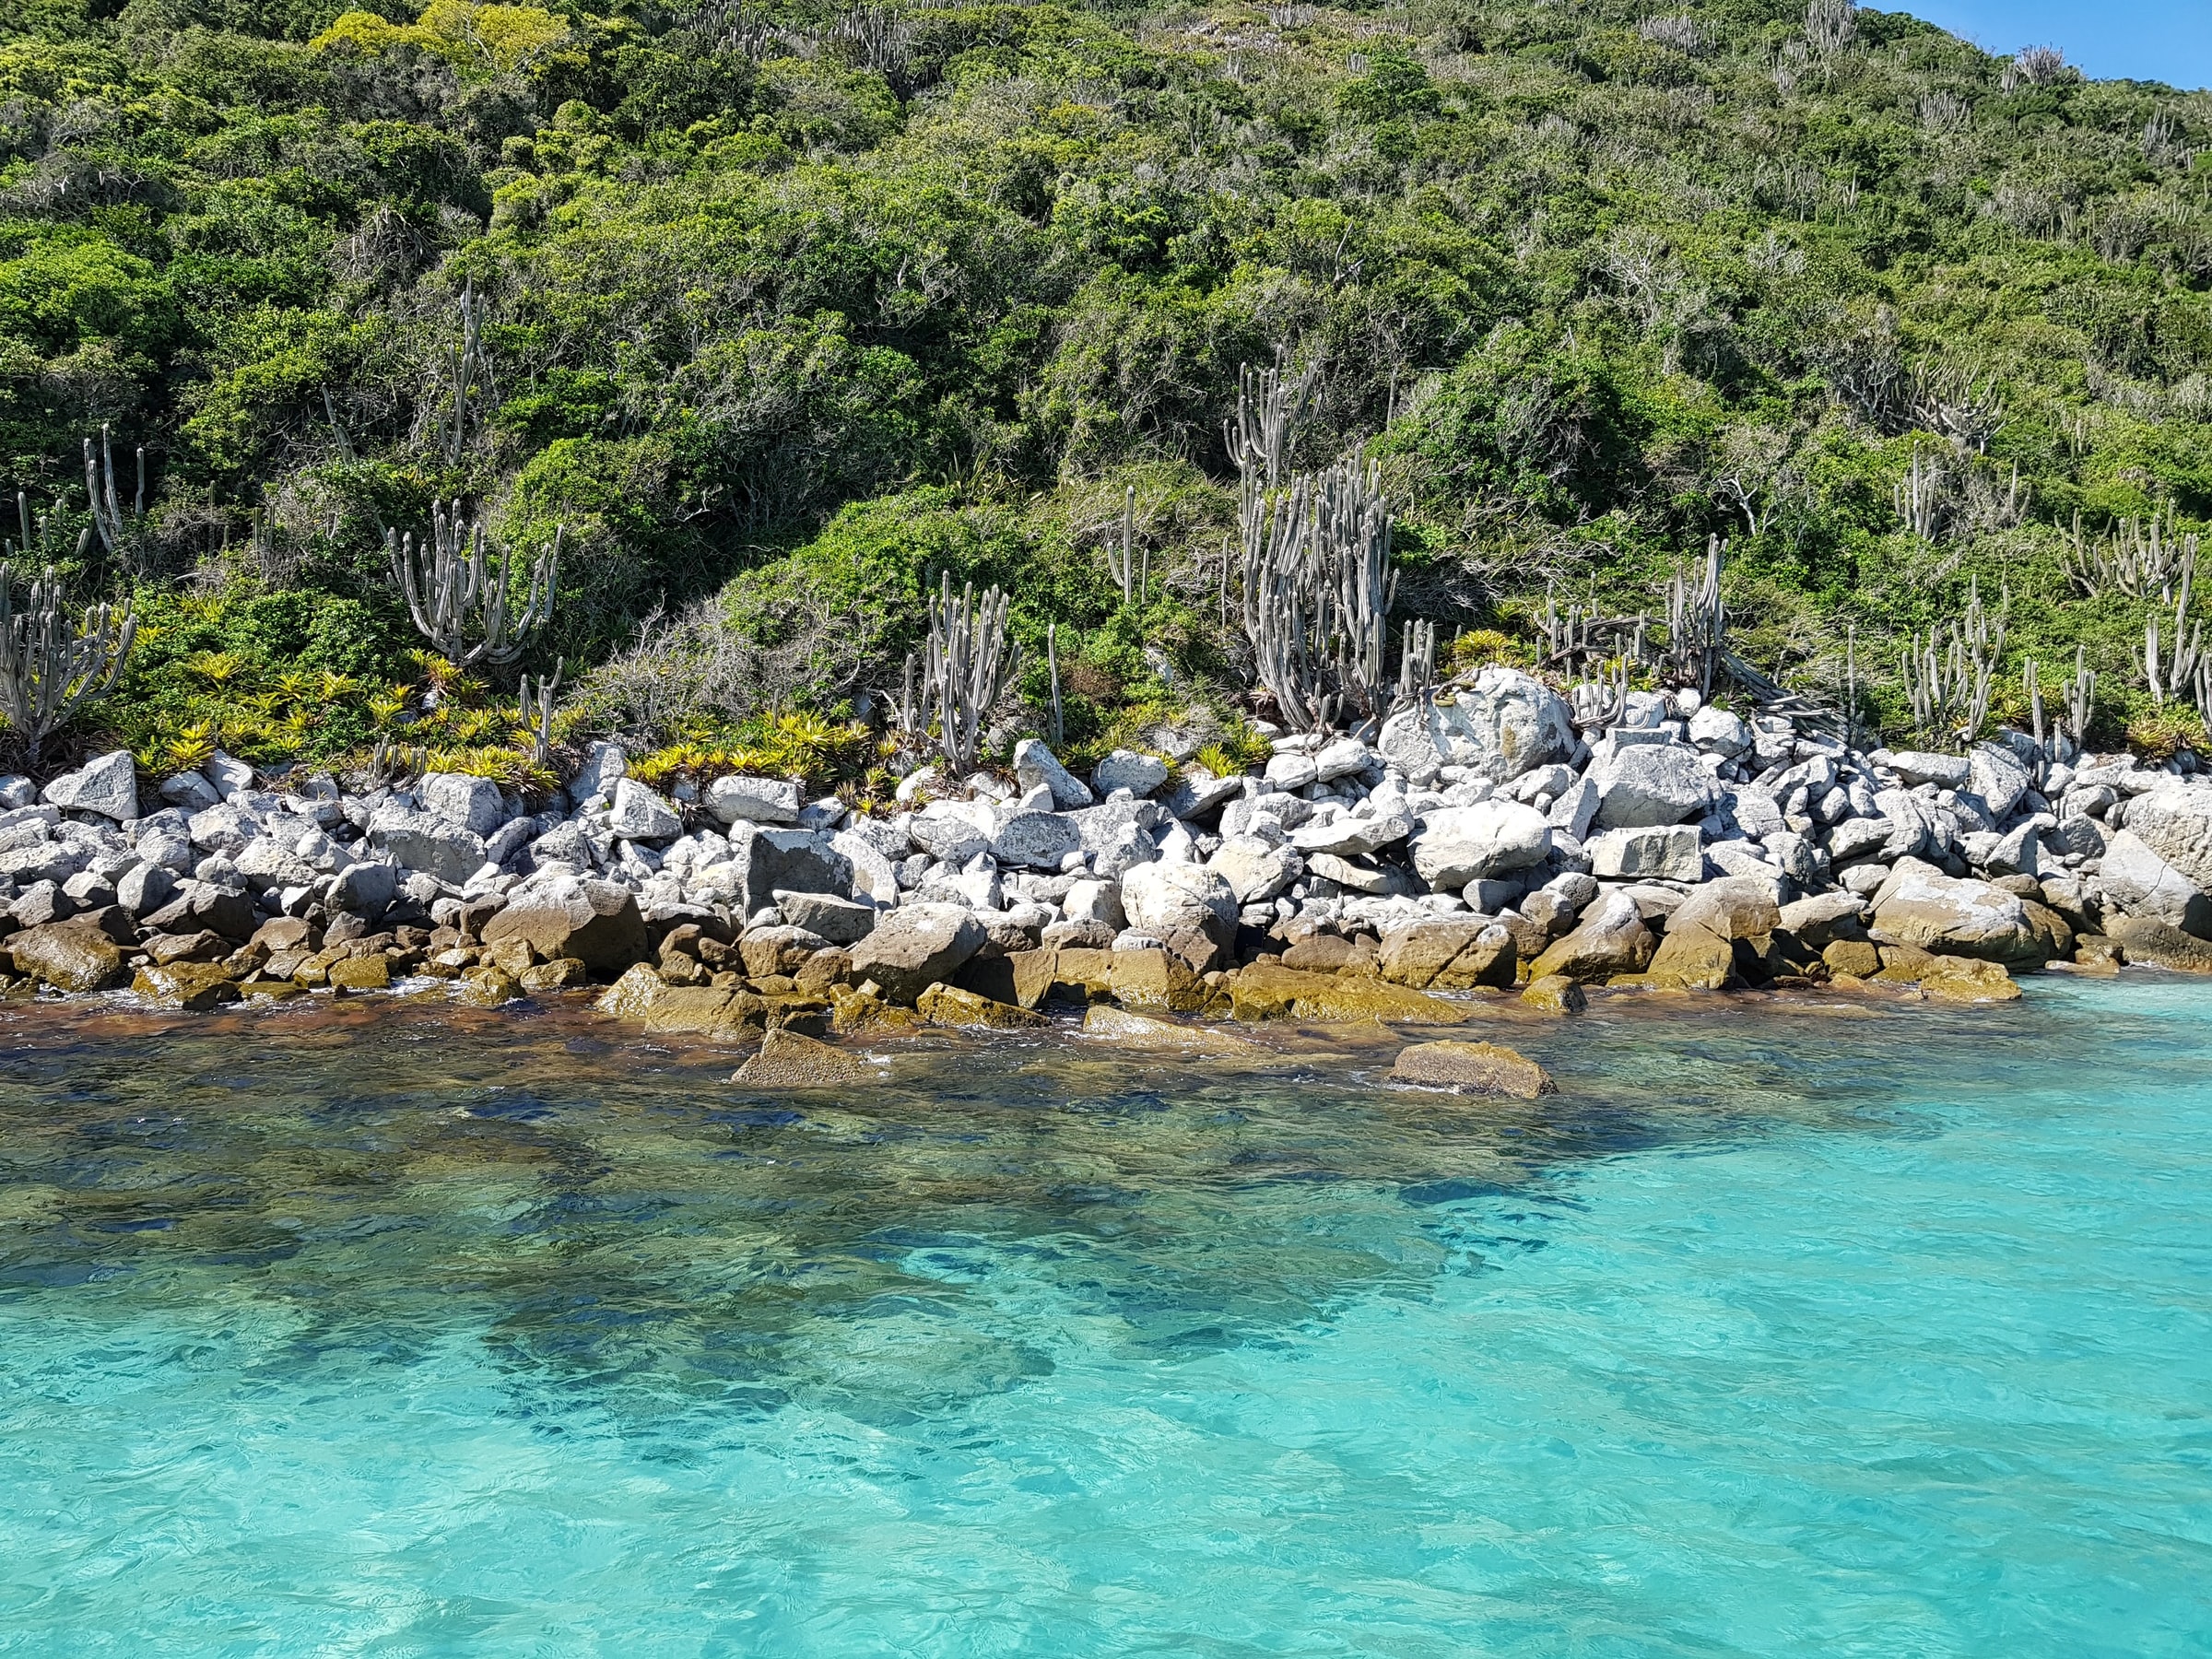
(1474, 1068)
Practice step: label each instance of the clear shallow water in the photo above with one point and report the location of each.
(405, 1330)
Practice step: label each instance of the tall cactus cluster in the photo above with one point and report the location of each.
(968, 664)
(458, 591)
(1314, 565)
(51, 665)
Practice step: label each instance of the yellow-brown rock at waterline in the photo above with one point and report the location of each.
(1144, 1030)
(1475, 1068)
(787, 1060)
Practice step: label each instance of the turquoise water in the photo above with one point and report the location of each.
(1781, 1330)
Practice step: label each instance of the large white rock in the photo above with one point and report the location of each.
(2175, 822)
(1126, 769)
(190, 791)
(108, 786)
(639, 814)
(1649, 784)
(1356, 834)
(1717, 731)
(603, 763)
(1673, 853)
(1192, 909)
(2135, 876)
(471, 804)
(1255, 869)
(754, 800)
(1499, 727)
(1035, 763)
(414, 840)
(1455, 845)
(1918, 904)
(1996, 775)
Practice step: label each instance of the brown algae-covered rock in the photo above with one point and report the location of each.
(788, 1060)
(192, 986)
(1555, 994)
(1474, 1068)
(951, 1006)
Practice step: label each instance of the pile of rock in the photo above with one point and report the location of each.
(1479, 840)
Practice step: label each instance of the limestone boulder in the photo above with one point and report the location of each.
(837, 919)
(915, 946)
(1036, 840)
(1611, 938)
(1455, 845)
(1997, 775)
(959, 1008)
(192, 986)
(1126, 769)
(411, 839)
(763, 862)
(780, 949)
(1189, 907)
(1650, 784)
(1035, 764)
(642, 814)
(1255, 869)
(2148, 940)
(595, 921)
(1921, 906)
(472, 804)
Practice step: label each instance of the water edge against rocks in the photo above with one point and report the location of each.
(1786, 1327)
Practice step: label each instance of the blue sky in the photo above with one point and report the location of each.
(2144, 40)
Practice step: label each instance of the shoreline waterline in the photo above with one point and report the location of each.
(379, 1323)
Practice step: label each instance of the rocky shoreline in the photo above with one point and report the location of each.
(1474, 842)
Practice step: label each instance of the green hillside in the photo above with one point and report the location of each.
(787, 312)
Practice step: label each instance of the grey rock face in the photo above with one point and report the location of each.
(364, 889)
(108, 786)
(228, 775)
(190, 791)
(1458, 844)
(1717, 731)
(1650, 785)
(1915, 767)
(145, 889)
(798, 861)
(2175, 822)
(1500, 726)
(2142, 883)
(603, 763)
(1254, 869)
(754, 800)
(1191, 908)
(1997, 776)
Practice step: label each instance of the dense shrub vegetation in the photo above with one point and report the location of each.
(791, 311)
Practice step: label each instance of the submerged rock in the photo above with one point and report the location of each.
(787, 1060)
(1474, 1068)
